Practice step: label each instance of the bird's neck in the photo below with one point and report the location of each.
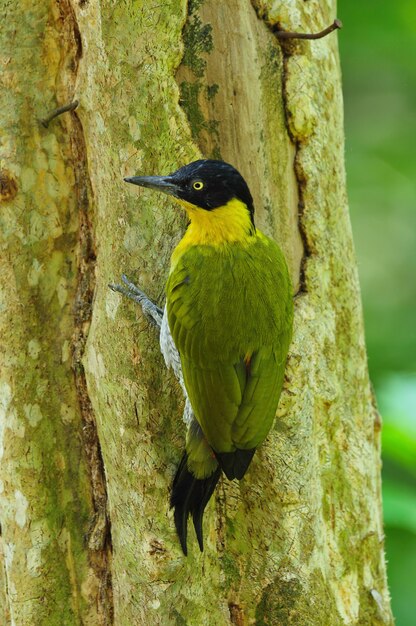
(226, 224)
(231, 223)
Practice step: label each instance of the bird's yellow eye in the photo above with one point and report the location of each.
(198, 185)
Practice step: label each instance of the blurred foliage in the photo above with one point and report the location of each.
(398, 398)
(378, 47)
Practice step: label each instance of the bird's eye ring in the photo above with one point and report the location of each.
(198, 185)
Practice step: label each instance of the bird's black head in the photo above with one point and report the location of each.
(206, 184)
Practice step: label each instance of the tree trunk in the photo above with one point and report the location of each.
(91, 428)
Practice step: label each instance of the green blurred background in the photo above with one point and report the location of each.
(378, 56)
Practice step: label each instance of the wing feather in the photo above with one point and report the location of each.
(231, 320)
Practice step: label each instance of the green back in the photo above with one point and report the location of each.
(230, 312)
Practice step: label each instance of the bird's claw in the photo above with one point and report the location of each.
(149, 308)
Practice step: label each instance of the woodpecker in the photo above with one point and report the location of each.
(225, 329)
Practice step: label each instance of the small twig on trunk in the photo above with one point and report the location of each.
(67, 107)
(282, 34)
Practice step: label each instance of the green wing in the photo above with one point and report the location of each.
(230, 314)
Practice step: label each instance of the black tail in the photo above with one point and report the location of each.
(235, 464)
(190, 495)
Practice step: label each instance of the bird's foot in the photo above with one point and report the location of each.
(149, 308)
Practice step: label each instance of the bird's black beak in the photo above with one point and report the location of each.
(160, 183)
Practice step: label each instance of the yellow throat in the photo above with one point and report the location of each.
(225, 224)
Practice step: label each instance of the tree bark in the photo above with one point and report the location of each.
(91, 430)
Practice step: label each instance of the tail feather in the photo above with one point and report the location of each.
(190, 496)
(235, 464)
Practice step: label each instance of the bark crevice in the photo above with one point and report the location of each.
(98, 536)
(300, 179)
(287, 47)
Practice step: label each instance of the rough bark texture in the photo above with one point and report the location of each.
(90, 430)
